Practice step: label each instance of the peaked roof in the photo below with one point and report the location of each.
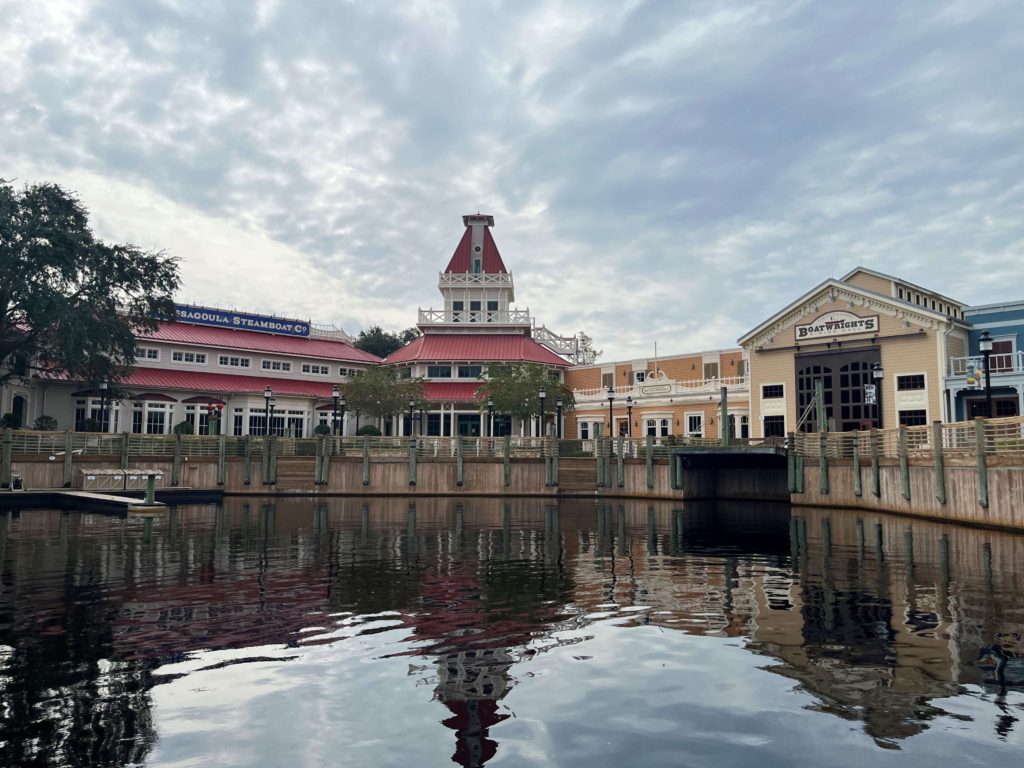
(462, 259)
(219, 383)
(895, 279)
(471, 348)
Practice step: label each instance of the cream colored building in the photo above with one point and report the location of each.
(844, 333)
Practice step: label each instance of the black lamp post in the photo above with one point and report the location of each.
(268, 395)
(342, 403)
(412, 404)
(273, 405)
(542, 394)
(490, 416)
(985, 345)
(336, 395)
(629, 416)
(611, 413)
(878, 373)
(558, 426)
(102, 404)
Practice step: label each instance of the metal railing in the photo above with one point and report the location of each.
(443, 316)
(1003, 362)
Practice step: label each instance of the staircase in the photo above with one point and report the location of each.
(577, 475)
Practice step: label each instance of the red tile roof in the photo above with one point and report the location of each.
(462, 259)
(451, 391)
(471, 348)
(224, 383)
(228, 338)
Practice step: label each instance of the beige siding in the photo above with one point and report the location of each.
(871, 283)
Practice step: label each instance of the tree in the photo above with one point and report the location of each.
(68, 301)
(514, 388)
(382, 392)
(586, 354)
(381, 343)
(184, 428)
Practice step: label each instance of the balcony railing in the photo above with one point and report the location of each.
(476, 280)
(443, 317)
(1004, 362)
(663, 388)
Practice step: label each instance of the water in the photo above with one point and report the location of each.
(309, 633)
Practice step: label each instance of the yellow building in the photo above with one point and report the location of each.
(879, 345)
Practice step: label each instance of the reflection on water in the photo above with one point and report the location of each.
(479, 631)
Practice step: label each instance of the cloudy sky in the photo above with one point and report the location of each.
(659, 171)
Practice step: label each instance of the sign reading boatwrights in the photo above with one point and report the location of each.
(837, 324)
(241, 321)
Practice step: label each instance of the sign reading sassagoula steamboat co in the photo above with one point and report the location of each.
(837, 324)
(243, 321)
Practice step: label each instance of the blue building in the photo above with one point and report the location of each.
(965, 381)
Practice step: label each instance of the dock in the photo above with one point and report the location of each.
(121, 504)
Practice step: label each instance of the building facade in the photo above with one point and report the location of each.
(965, 380)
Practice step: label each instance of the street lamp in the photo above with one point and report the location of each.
(412, 404)
(877, 372)
(611, 416)
(490, 416)
(273, 405)
(629, 416)
(558, 426)
(336, 394)
(268, 394)
(102, 402)
(985, 345)
(542, 394)
(342, 403)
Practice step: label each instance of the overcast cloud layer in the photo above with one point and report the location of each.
(670, 172)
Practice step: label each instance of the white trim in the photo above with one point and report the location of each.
(686, 423)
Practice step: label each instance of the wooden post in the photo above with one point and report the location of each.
(673, 470)
(791, 462)
(247, 464)
(69, 455)
(557, 443)
(823, 463)
(6, 460)
(176, 463)
(876, 485)
(325, 470)
(649, 456)
(459, 469)
(412, 461)
(904, 463)
(506, 449)
(366, 459)
(124, 450)
(799, 473)
(598, 448)
(858, 488)
(979, 442)
(940, 466)
(272, 461)
(620, 478)
(222, 454)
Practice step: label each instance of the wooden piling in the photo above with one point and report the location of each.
(858, 488)
(222, 453)
(823, 463)
(649, 456)
(940, 467)
(979, 443)
(904, 463)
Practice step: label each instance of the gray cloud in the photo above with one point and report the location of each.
(657, 173)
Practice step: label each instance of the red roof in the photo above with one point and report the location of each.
(229, 338)
(462, 259)
(451, 391)
(483, 348)
(224, 383)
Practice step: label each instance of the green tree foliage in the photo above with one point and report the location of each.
(381, 343)
(515, 390)
(45, 423)
(183, 428)
(68, 301)
(587, 354)
(382, 392)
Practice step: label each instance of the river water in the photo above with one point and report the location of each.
(307, 632)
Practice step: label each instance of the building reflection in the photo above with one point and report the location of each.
(875, 617)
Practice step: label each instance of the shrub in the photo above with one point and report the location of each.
(322, 429)
(91, 425)
(45, 423)
(368, 429)
(10, 421)
(184, 428)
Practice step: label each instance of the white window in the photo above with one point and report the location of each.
(234, 362)
(147, 353)
(695, 425)
(347, 371)
(317, 370)
(584, 430)
(639, 376)
(276, 365)
(179, 356)
(665, 427)
(651, 427)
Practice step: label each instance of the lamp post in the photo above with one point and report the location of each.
(412, 404)
(878, 373)
(558, 425)
(611, 416)
(490, 416)
(336, 395)
(268, 395)
(985, 345)
(629, 416)
(102, 403)
(270, 423)
(542, 394)
(342, 403)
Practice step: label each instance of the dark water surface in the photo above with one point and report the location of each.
(311, 633)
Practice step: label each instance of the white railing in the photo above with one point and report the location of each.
(441, 316)
(1004, 362)
(567, 346)
(468, 279)
(662, 388)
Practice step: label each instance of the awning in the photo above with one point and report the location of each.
(203, 400)
(155, 397)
